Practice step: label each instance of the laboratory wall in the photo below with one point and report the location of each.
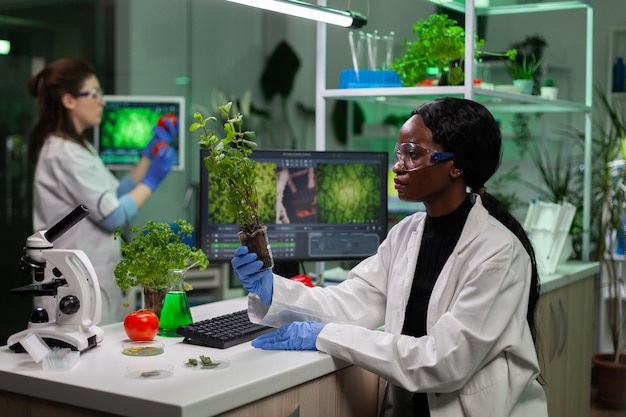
(216, 46)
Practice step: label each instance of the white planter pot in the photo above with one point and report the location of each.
(549, 92)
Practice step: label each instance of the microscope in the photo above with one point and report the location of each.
(74, 286)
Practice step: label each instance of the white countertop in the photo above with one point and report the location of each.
(99, 381)
(568, 273)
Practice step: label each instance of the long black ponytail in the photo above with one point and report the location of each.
(469, 130)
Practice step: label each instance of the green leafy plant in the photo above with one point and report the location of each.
(549, 82)
(561, 180)
(500, 188)
(440, 43)
(523, 68)
(230, 167)
(153, 250)
(608, 204)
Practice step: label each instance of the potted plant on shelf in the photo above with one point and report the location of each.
(440, 43)
(523, 70)
(608, 213)
(549, 89)
(234, 173)
(559, 182)
(153, 251)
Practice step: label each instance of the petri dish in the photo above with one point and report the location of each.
(143, 348)
(150, 371)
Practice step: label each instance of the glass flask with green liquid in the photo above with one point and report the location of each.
(175, 311)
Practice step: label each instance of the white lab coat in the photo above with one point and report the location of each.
(478, 357)
(68, 175)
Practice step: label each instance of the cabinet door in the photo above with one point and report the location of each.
(578, 348)
(565, 327)
(549, 331)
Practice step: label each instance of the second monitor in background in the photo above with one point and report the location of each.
(126, 128)
(317, 206)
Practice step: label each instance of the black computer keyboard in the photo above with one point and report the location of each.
(222, 331)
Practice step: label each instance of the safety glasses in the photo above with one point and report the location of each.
(413, 156)
(95, 93)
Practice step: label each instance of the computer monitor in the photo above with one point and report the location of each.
(126, 128)
(333, 206)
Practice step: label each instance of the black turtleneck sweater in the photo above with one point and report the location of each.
(441, 235)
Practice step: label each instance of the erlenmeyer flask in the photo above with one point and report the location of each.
(175, 311)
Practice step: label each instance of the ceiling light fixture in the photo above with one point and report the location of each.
(305, 10)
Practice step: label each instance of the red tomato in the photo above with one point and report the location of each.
(158, 147)
(141, 325)
(171, 116)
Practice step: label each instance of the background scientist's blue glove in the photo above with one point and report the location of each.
(160, 167)
(246, 266)
(160, 135)
(298, 335)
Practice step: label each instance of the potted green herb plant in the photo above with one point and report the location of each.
(549, 89)
(523, 70)
(606, 234)
(233, 171)
(150, 254)
(440, 43)
(608, 220)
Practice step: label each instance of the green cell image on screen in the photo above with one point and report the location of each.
(266, 190)
(128, 127)
(348, 193)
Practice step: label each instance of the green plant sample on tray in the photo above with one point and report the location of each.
(440, 43)
(153, 250)
(231, 168)
(523, 68)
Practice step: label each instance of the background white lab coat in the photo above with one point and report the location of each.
(67, 175)
(477, 359)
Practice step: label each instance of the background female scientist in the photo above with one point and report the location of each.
(69, 172)
(455, 287)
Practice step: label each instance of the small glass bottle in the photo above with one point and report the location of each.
(176, 311)
(619, 75)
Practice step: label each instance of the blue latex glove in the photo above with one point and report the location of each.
(160, 135)
(159, 168)
(298, 335)
(246, 266)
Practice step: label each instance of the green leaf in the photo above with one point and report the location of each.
(153, 250)
(232, 170)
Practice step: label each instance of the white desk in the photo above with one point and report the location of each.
(98, 381)
(568, 273)
(293, 379)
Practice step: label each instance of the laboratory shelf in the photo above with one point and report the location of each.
(495, 7)
(500, 101)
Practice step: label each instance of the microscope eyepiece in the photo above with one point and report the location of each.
(66, 223)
